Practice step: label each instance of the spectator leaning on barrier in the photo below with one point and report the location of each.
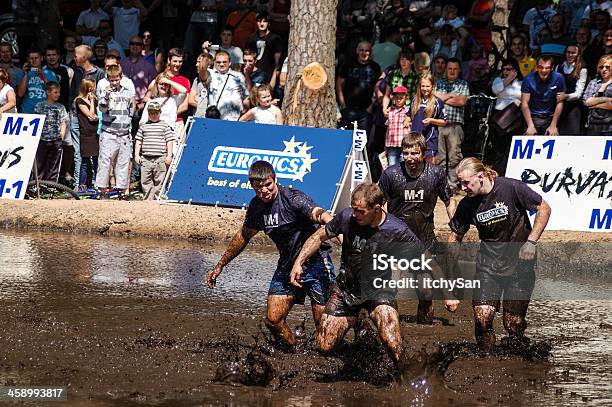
(198, 95)
(153, 152)
(539, 102)
(454, 93)
(228, 90)
(32, 85)
(49, 152)
(598, 98)
(117, 105)
(6, 63)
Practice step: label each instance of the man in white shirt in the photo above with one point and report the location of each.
(537, 18)
(226, 45)
(88, 21)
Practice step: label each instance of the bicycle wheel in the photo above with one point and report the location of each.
(49, 190)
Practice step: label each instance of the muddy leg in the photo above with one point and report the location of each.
(317, 313)
(514, 317)
(278, 309)
(425, 311)
(331, 331)
(483, 326)
(386, 319)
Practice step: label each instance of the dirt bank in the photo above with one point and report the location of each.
(171, 221)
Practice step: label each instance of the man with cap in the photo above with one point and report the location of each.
(153, 152)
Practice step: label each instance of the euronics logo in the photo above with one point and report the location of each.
(293, 162)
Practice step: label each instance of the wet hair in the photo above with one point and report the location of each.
(474, 166)
(414, 138)
(261, 171)
(370, 193)
(212, 112)
(49, 86)
(514, 63)
(545, 58)
(175, 52)
(4, 76)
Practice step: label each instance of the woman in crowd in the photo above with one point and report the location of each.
(162, 93)
(100, 49)
(198, 95)
(427, 114)
(506, 119)
(153, 56)
(8, 99)
(69, 44)
(598, 98)
(87, 116)
(574, 72)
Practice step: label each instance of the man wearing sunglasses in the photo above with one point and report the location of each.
(228, 89)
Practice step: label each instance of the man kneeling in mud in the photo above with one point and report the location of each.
(288, 217)
(364, 226)
(498, 207)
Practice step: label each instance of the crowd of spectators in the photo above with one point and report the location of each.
(118, 77)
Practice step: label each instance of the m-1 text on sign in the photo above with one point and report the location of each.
(19, 136)
(572, 173)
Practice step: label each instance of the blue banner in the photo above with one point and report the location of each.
(215, 161)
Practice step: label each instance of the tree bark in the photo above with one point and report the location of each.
(312, 38)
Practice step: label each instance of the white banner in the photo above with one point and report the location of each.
(360, 171)
(572, 173)
(360, 139)
(19, 136)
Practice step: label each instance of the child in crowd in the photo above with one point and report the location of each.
(396, 128)
(162, 93)
(117, 107)
(478, 67)
(49, 153)
(427, 114)
(154, 142)
(87, 116)
(264, 111)
(450, 17)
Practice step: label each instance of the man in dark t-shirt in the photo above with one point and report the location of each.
(269, 47)
(288, 217)
(412, 188)
(498, 207)
(365, 229)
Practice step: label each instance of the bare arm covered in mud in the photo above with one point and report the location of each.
(528, 250)
(310, 247)
(236, 246)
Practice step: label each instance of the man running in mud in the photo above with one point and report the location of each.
(288, 217)
(498, 207)
(364, 227)
(412, 188)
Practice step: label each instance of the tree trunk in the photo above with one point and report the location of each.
(312, 38)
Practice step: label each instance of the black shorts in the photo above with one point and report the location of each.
(338, 307)
(516, 289)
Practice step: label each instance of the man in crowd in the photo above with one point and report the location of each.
(288, 217)
(137, 69)
(6, 62)
(539, 102)
(269, 48)
(439, 67)
(412, 188)
(226, 45)
(88, 21)
(498, 207)
(365, 228)
(198, 95)
(558, 40)
(62, 72)
(31, 87)
(173, 69)
(454, 93)
(117, 105)
(536, 19)
(105, 32)
(228, 90)
(518, 51)
(252, 74)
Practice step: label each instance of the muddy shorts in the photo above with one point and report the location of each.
(516, 289)
(317, 279)
(338, 307)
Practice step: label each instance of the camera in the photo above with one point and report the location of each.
(214, 47)
(34, 69)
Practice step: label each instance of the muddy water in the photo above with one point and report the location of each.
(127, 322)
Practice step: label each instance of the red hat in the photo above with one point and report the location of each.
(400, 89)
